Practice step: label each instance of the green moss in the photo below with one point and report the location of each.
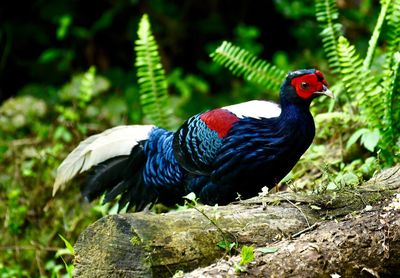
(135, 240)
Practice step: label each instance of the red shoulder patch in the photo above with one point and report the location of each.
(219, 120)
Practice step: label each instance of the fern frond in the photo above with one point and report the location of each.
(243, 63)
(391, 121)
(393, 33)
(390, 131)
(376, 93)
(394, 96)
(391, 65)
(327, 15)
(86, 89)
(151, 76)
(360, 83)
(350, 66)
(376, 33)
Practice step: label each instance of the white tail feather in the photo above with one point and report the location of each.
(98, 148)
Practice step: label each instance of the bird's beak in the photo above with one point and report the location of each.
(325, 91)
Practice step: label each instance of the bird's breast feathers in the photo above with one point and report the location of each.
(222, 119)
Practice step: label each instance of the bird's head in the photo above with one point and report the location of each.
(301, 86)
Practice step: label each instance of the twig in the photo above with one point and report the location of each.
(34, 248)
(297, 207)
(39, 264)
(224, 234)
(312, 227)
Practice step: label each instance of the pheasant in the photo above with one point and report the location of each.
(218, 155)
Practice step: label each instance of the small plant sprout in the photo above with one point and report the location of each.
(246, 257)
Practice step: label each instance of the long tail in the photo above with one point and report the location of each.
(117, 156)
(121, 175)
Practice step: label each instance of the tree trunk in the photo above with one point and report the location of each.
(304, 228)
(364, 245)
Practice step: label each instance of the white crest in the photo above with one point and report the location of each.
(98, 148)
(255, 109)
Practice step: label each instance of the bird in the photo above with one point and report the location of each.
(219, 154)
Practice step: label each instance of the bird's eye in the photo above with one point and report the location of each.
(304, 85)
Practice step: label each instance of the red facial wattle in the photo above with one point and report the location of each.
(306, 85)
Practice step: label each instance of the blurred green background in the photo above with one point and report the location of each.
(47, 46)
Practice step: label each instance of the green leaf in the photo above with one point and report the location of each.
(226, 245)
(68, 245)
(61, 252)
(356, 135)
(64, 23)
(50, 55)
(63, 133)
(370, 139)
(267, 250)
(246, 254)
(347, 179)
(69, 268)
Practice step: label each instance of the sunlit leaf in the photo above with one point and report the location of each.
(246, 255)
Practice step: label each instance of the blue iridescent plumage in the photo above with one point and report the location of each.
(220, 154)
(161, 168)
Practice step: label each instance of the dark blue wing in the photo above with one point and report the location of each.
(252, 146)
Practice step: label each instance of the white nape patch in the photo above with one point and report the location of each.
(255, 109)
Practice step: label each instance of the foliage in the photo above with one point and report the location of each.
(246, 257)
(362, 84)
(246, 254)
(35, 135)
(243, 63)
(373, 89)
(151, 77)
(68, 250)
(86, 88)
(327, 14)
(75, 78)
